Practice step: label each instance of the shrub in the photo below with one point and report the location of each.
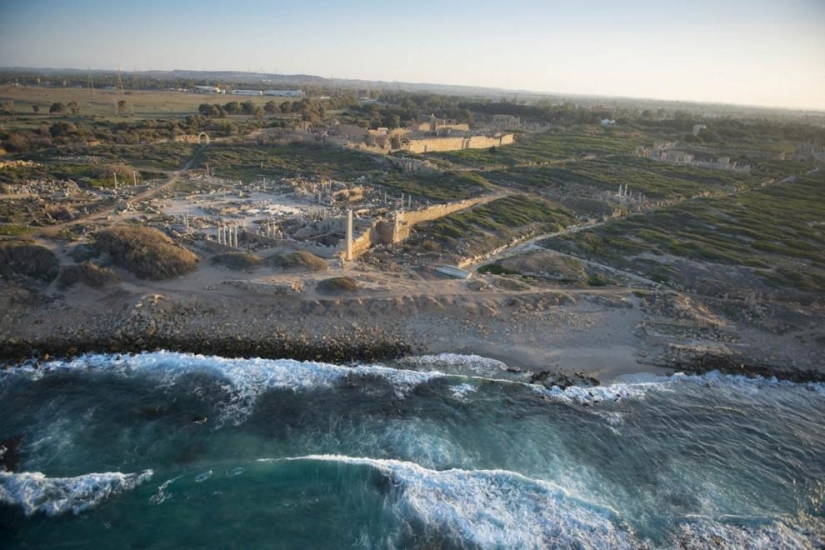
(337, 285)
(28, 260)
(146, 252)
(496, 269)
(237, 260)
(88, 273)
(298, 260)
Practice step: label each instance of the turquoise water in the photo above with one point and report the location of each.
(166, 450)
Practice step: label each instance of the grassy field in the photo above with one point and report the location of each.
(286, 160)
(101, 103)
(95, 165)
(558, 145)
(774, 233)
(445, 186)
(656, 180)
(490, 225)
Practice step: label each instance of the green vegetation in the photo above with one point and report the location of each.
(30, 261)
(286, 159)
(238, 261)
(496, 269)
(656, 180)
(144, 251)
(14, 230)
(492, 224)
(774, 233)
(300, 260)
(548, 147)
(87, 273)
(446, 186)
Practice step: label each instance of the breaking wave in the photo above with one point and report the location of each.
(494, 508)
(246, 379)
(34, 492)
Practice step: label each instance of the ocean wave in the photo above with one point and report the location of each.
(458, 364)
(747, 384)
(495, 508)
(245, 379)
(713, 535)
(596, 394)
(461, 391)
(34, 492)
(505, 509)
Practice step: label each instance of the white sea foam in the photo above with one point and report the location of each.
(746, 384)
(496, 508)
(596, 394)
(461, 391)
(504, 509)
(453, 363)
(34, 492)
(246, 379)
(709, 534)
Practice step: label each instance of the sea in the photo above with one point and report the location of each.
(169, 450)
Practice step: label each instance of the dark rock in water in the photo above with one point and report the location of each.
(698, 362)
(199, 419)
(540, 377)
(549, 379)
(587, 380)
(10, 453)
(562, 380)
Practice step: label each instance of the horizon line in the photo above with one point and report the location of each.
(816, 110)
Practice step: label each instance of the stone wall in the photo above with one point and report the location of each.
(383, 231)
(435, 145)
(405, 220)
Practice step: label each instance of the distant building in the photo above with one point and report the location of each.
(608, 122)
(207, 89)
(285, 93)
(698, 128)
(256, 93)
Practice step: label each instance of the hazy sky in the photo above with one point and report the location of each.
(757, 52)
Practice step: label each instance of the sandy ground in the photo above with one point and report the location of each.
(604, 331)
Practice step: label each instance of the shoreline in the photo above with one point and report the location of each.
(601, 333)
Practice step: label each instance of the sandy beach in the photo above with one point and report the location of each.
(603, 332)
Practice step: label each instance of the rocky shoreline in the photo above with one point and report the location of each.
(559, 339)
(380, 346)
(329, 350)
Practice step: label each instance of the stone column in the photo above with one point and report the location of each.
(349, 234)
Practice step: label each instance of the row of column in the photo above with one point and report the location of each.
(228, 235)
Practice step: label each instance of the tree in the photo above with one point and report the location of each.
(248, 107)
(395, 142)
(271, 108)
(391, 121)
(59, 129)
(35, 109)
(232, 108)
(122, 107)
(259, 112)
(74, 107)
(286, 107)
(57, 108)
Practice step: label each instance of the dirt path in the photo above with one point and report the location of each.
(101, 214)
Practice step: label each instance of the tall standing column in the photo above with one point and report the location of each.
(349, 234)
